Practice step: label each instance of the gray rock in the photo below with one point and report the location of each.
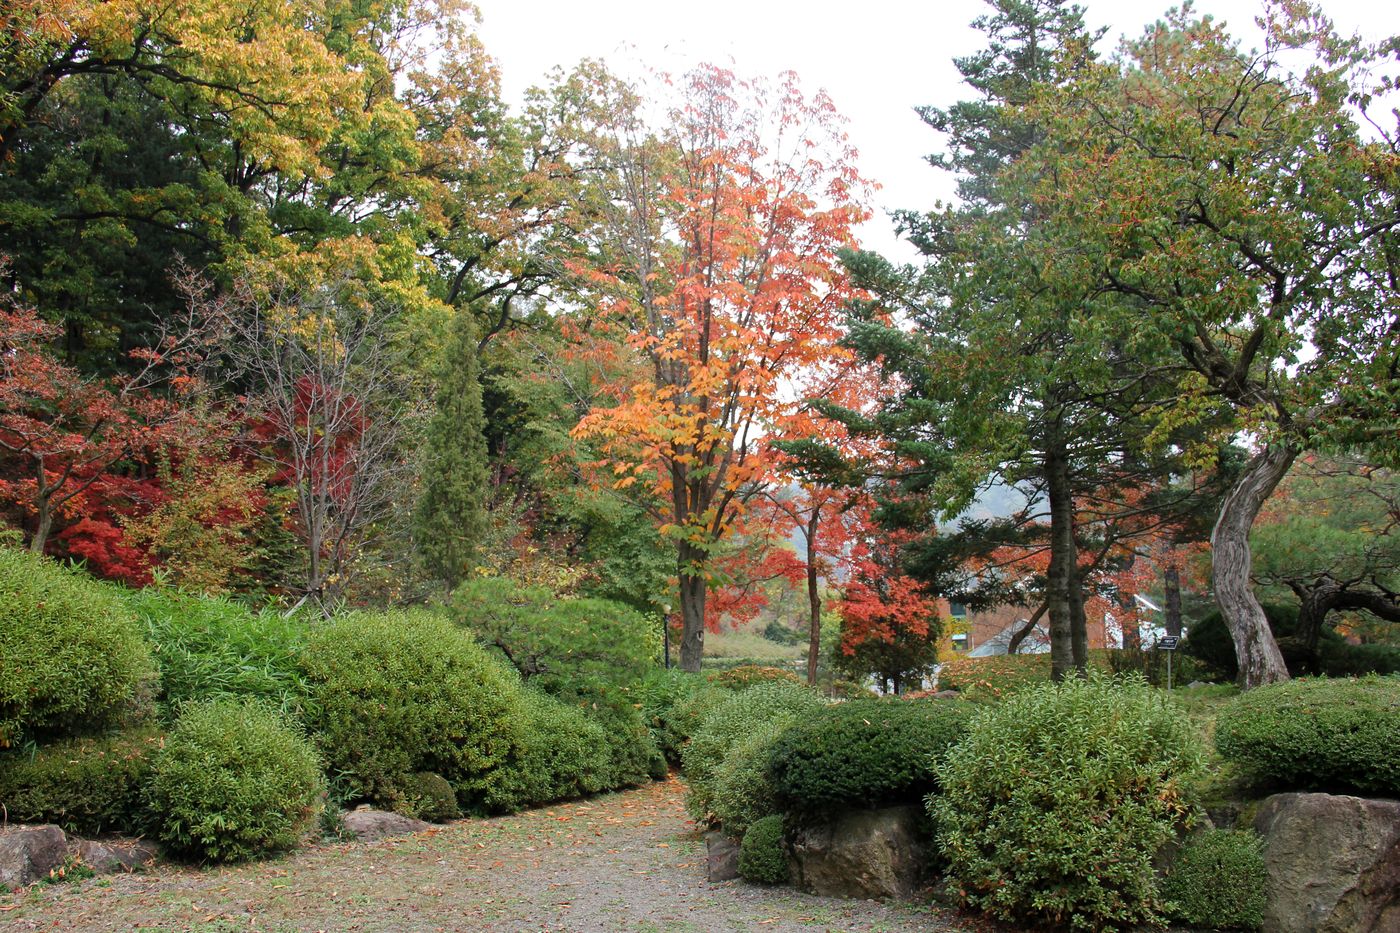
(368, 825)
(112, 856)
(947, 695)
(721, 857)
(1334, 863)
(28, 853)
(863, 853)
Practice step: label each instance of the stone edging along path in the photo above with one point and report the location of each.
(622, 862)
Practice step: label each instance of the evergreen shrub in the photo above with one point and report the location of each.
(743, 789)
(393, 693)
(562, 752)
(761, 858)
(1054, 805)
(662, 696)
(1219, 881)
(430, 797)
(234, 782)
(87, 786)
(1317, 734)
(72, 657)
(730, 721)
(864, 753)
(211, 648)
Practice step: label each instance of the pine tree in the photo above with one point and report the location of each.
(451, 515)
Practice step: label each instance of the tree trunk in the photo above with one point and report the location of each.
(1078, 622)
(692, 591)
(1014, 644)
(1260, 660)
(814, 600)
(1061, 572)
(43, 528)
(1171, 582)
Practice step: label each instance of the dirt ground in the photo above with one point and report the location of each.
(623, 862)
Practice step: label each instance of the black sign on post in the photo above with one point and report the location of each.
(1168, 642)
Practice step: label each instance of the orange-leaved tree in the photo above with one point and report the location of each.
(714, 255)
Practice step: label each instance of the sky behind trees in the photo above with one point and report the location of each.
(878, 59)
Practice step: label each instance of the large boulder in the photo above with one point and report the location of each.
(863, 853)
(28, 853)
(721, 857)
(369, 825)
(1334, 863)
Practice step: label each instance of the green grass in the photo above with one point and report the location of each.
(742, 644)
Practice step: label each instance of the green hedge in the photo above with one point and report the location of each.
(729, 722)
(864, 753)
(72, 656)
(400, 692)
(761, 858)
(1219, 881)
(234, 782)
(87, 786)
(1317, 735)
(1210, 641)
(663, 696)
(1055, 803)
(211, 648)
(562, 752)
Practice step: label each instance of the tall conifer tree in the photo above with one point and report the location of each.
(451, 515)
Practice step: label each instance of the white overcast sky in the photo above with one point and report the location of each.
(878, 59)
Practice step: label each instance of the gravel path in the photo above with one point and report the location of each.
(623, 862)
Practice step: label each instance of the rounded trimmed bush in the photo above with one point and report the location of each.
(743, 791)
(562, 753)
(1219, 881)
(864, 753)
(761, 858)
(393, 693)
(1317, 735)
(87, 786)
(689, 712)
(234, 782)
(732, 720)
(1055, 803)
(72, 656)
(430, 797)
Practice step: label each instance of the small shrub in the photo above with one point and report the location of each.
(761, 858)
(633, 756)
(1000, 676)
(234, 782)
(212, 648)
(72, 659)
(1317, 735)
(864, 753)
(88, 786)
(1054, 805)
(743, 790)
(662, 694)
(746, 675)
(394, 693)
(558, 641)
(688, 713)
(430, 797)
(736, 718)
(562, 753)
(1219, 881)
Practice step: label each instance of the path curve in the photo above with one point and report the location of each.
(621, 863)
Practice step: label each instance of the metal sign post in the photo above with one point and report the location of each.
(1168, 644)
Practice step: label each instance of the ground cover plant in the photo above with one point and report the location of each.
(1054, 805)
(72, 656)
(234, 781)
(1318, 734)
